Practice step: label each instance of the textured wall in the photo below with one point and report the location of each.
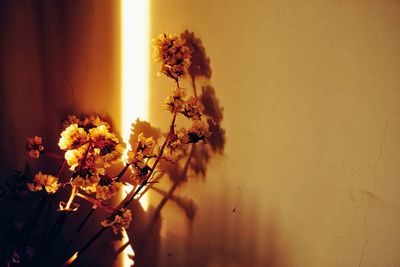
(310, 173)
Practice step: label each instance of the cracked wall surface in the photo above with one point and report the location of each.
(310, 172)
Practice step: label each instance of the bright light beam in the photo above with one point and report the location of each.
(135, 52)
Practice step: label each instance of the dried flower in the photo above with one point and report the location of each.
(86, 179)
(75, 156)
(144, 145)
(173, 54)
(140, 169)
(107, 187)
(121, 219)
(44, 181)
(176, 145)
(175, 101)
(198, 131)
(94, 121)
(34, 147)
(72, 137)
(107, 148)
(193, 109)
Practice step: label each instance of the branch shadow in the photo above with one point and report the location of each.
(144, 235)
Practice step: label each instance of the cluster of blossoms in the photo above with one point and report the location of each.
(120, 219)
(139, 156)
(44, 181)
(34, 147)
(90, 147)
(174, 56)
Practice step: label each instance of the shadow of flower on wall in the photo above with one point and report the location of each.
(144, 235)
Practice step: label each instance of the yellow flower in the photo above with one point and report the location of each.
(174, 55)
(94, 121)
(44, 181)
(139, 167)
(175, 101)
(198, 131)
(107, 187)
(72, 137)
(107, 148)
(193, 109)
(121, 219)
(34, 147)
(176, 145)
(75, 156)
(86, 179)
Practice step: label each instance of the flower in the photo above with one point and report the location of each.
(107, 187)
(140, 169)
(75, 156)
(173, 54)
(175, 101)
(71, 119)
(107, 148)
(72, 137)
(176, 145)
(121, 219)
(94, 121)
(34, 147)
(86, 179)
(44, 181)
(198, 131)
(193, 109)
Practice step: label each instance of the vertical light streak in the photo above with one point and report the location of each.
(135, 56)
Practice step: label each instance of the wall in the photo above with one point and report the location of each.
(309, 174)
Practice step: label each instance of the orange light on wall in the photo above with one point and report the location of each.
(135, 53)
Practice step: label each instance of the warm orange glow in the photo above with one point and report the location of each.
(135, 61)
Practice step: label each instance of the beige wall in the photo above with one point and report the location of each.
(310, 91)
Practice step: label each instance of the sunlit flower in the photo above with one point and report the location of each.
(44, 181)
(34, 147)
(86, 179)
(107, 148)
(198, 131)
(72, 137)
(193, 109)
(140, 169)
(121, 219)
(94, 121)
(175, 101)
(176, 145)
(107, 187)
(144, 145)
(173, 54)
(75, 156)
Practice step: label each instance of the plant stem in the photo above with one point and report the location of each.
(53, 155)
(171, 131)
(124, 203)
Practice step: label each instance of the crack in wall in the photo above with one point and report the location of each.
(371, 194)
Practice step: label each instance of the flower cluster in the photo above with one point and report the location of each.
(192, 109)
(44, 181)
(90, 147)
(174, 55)
(34, 147)
(120, 219)
(107, 187)
(139, 156)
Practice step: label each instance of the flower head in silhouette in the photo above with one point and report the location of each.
(34, 147)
